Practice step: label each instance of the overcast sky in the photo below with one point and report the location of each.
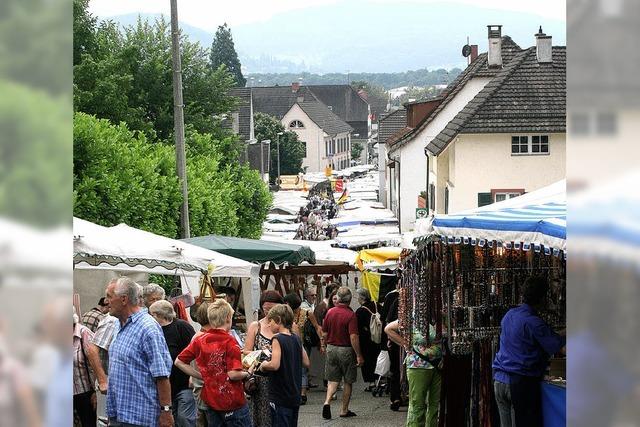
(208, 14)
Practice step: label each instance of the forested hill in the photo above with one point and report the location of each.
(421, 78)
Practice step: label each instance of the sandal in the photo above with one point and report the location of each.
(349, 414)
(303, 400)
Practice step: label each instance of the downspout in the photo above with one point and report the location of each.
(426, 193)
(398, 191)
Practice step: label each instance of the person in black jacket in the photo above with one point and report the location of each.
(370, 350)
(389, 313)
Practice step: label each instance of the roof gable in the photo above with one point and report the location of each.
(326, 120)
(478, 68)
(525, 97)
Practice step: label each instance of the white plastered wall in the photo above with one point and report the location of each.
(413, 170)
(483, 162)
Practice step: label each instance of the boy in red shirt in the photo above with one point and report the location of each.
(218, 358)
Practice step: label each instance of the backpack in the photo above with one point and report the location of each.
(375, 326)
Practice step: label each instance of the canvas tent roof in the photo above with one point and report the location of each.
(536, 218)
(257, 251)
(126, 248)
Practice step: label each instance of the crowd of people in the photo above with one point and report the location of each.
(137, 364)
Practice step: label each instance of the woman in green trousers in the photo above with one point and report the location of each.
(423, 374)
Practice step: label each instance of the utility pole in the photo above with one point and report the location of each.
(278, 147)
(178, 121)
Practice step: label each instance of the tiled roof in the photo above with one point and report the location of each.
(390, 123)
(277, 100)
(329, 122)
(525, 96)
(478, 68)
(344, 101)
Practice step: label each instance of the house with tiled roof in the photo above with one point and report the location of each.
(323, 128)
(498, 131)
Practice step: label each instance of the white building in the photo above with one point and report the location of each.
(326, 137)
(497, 131)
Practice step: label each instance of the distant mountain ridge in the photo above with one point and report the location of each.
(357, 36)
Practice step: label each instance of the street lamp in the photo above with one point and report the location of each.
(264, 142)
(278, 148)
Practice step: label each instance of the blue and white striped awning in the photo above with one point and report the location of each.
(537, 219)
(605, 221)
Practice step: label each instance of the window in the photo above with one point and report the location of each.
(606, 124)
(498, 195)
(537, 144)
(484, 199)
(432, 197)
(540, 144)
(296, 124)
(580, 124)
(519, 144)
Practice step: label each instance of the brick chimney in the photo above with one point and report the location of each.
(474, 52)
(494, 56)
(543, 47)
(295, 86)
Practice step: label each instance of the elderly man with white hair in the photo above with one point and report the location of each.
(178, 334)
(139, 391)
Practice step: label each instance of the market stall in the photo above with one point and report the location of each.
(466, 273)
(378, 270)
(101, 253)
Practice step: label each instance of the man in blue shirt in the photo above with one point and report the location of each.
(139, 392)
(526, 343)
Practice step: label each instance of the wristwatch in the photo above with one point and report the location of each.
(165, 408)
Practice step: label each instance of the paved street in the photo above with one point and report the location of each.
(372, 411)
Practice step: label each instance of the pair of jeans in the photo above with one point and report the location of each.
(237, 418)
(184, 408)
(282, 416)
(519, 403)
(424, 397)
(503, 399)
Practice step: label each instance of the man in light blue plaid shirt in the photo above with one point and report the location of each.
(139, 392)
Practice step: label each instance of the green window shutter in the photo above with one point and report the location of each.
(484, 199)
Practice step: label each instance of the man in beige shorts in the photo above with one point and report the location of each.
(340, 333)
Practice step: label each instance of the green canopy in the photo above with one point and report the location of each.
(258, 251)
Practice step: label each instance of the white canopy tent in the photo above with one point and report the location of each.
(100, 253)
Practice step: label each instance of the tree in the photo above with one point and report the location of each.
(119, 176)
(292, 150)
(223, 52)
(127, 76)
(356, 150)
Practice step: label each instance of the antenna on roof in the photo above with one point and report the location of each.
(466, 51)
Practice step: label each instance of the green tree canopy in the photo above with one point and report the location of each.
(292, 150)
(127, 76)
(223, 52)
(356, 150)
(120, 177)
